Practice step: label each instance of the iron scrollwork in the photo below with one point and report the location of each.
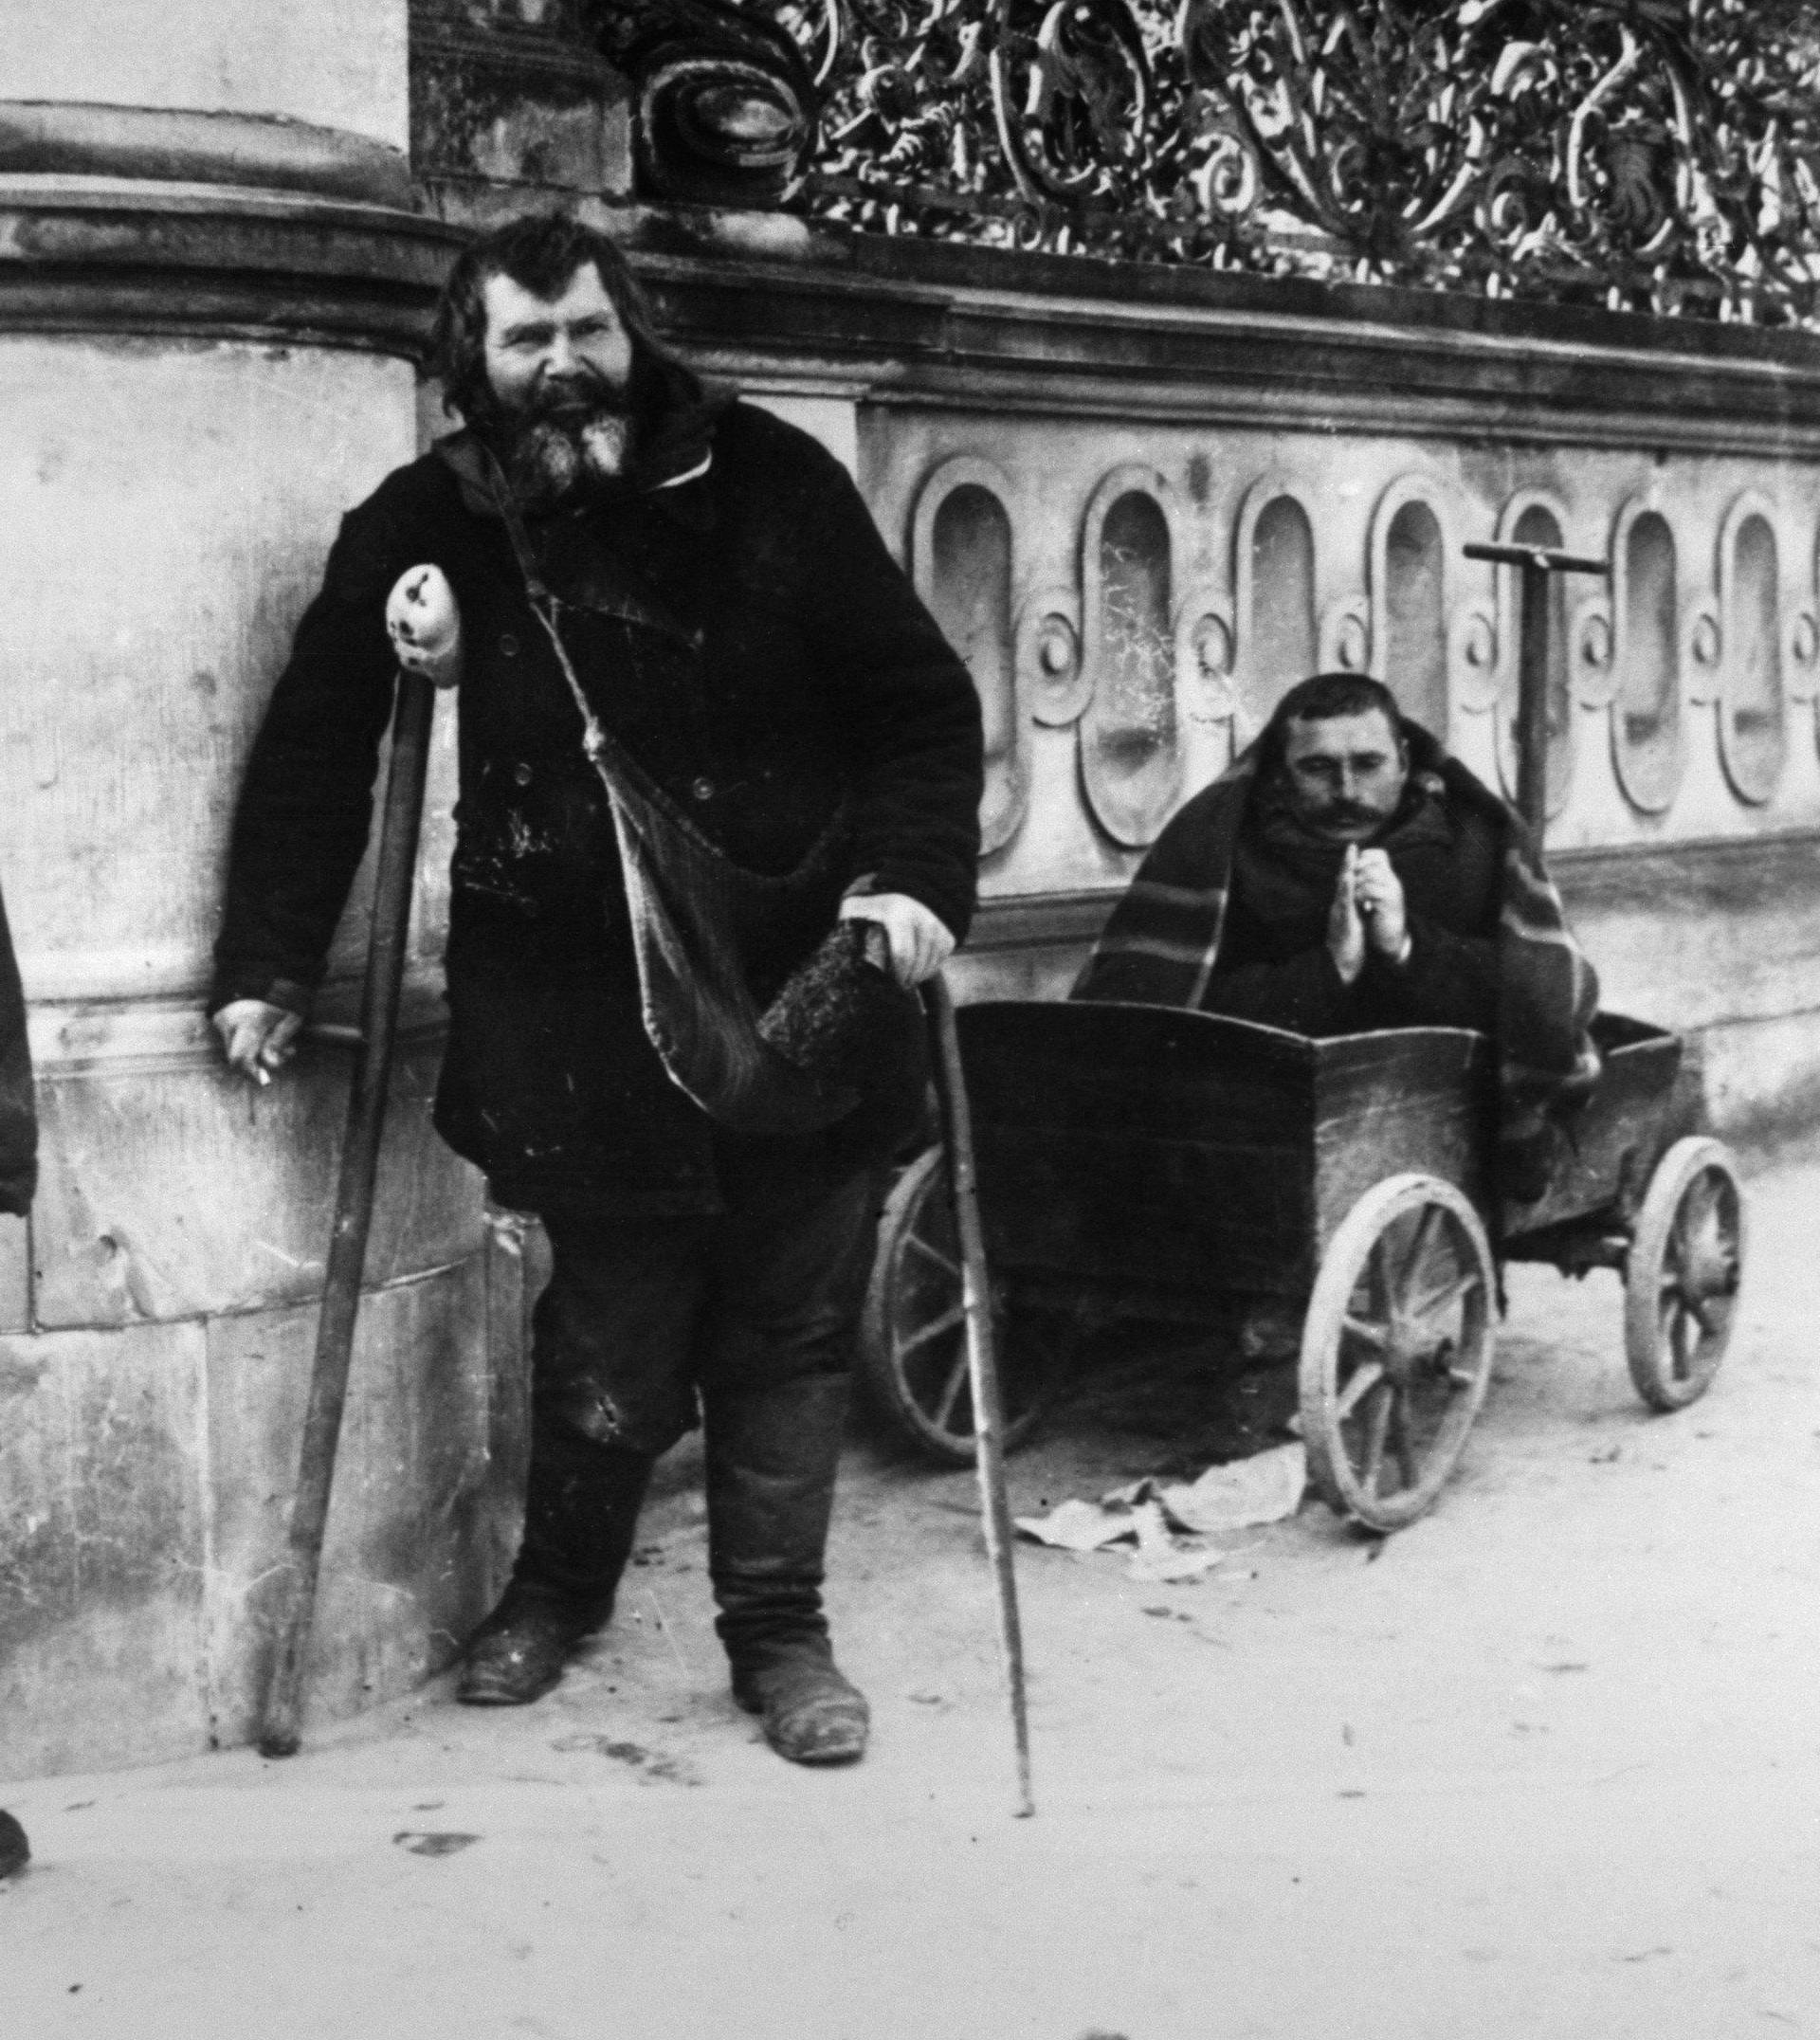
(1061, 124)
(1662, 155)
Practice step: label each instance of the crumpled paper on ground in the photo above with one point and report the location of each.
(1080, 1525)
(1263, 1489)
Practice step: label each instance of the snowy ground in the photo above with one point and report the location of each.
(1547, 1763)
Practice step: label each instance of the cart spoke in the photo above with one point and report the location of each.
(951, 1393)
(929, 1253)
(1404, 1443)
(1420, 1240)
(1698, 1210)
(1363, 1379)
(1374, 1439)
(1379, 1292)
(1679, 1320)
(934, 1329)
(1435, 1300)
(1375, 1336)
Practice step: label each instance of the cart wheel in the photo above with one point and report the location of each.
(912, 1341)
(1396, 1349)
(1681, 1284)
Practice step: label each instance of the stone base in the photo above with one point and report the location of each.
(149, 1470)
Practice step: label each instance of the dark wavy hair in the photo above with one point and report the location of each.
(1318, 699)
(541, 252)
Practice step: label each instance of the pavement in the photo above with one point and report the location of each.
(1546, 1763)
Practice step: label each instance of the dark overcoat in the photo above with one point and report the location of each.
(794, 670)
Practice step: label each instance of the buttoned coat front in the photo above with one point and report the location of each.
(747, 635)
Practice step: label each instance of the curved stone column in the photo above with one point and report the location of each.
(211, 284)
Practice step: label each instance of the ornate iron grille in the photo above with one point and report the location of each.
(1660, 156)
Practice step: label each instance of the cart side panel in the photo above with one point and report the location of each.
(1141, 1148)
(1410, 1099)
(1636, 1110)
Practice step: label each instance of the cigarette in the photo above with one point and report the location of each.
(261, 1074)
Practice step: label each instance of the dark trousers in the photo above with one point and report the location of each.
(752, 1312)
(643, 1314)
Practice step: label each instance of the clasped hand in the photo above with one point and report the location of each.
(1368, 913)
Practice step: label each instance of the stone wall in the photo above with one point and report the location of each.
(1142, 505)
(211, 278)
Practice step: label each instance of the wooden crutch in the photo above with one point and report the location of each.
(1536, 563)
(982, 1359)
(372, 1043)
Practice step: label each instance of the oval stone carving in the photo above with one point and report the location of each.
(1752, 711)
(1646, 703)
(969, 593)
(1414, 658)
(1278, 620)
(1130, 749)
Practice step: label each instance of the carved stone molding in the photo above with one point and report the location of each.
(1648, 608)
(964, 558)
(1753, 701)
(1050, 662)
(1130, 729)
(81, 254)
(899, 320)
(48, 137)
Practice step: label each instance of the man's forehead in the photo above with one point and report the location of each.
(509, 303)
(1369, 730)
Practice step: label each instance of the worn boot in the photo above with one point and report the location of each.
(581, 1509)
(771, 1461)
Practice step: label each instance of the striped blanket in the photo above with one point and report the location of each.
(1161, 947)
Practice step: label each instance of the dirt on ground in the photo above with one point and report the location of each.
(1546, 1763)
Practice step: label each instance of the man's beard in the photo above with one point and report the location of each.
(559, 455)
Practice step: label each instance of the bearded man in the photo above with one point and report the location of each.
(1346, 875)
(705, 725)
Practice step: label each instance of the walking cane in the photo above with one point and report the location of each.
(982, 1359)
(372, 1046)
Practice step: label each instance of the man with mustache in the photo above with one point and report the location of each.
(1346, 875)
(630, 569)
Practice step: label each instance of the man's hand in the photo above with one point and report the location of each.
(424, 625)
(1346, 929)
(1379, 894)
(258, 1036)
(918, 940)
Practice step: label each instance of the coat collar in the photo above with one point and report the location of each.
(672, 472)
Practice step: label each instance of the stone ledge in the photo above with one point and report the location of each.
(118, 1037)
(1728, 871)
(220, 261)
(267, 153)
(906, 321)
